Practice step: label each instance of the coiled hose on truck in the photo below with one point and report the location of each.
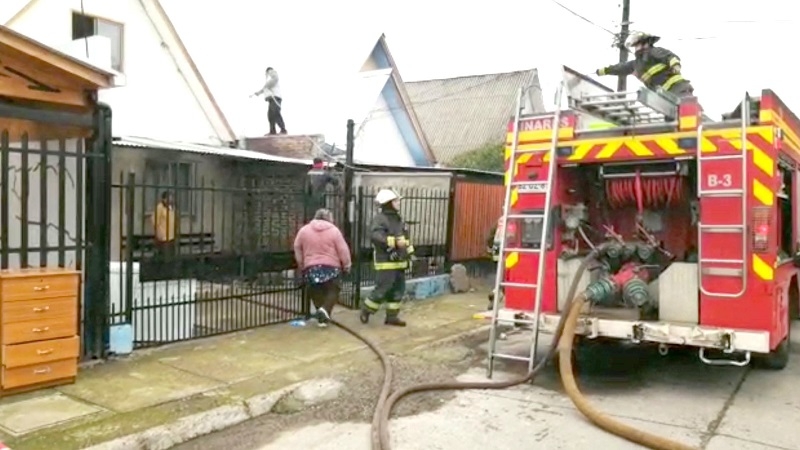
(562, 342)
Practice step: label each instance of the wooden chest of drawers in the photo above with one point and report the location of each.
(38, 328)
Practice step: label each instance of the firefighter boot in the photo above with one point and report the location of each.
(393, 320)
(368, 308)
(364, 316)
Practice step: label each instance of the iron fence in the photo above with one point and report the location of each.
(231, 263)
(53, 193)
(426, 212)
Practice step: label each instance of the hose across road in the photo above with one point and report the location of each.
(562, 345)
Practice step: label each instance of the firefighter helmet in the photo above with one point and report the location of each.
(638, 37)
(385, 196)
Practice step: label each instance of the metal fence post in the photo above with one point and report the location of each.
(356, 269)
(451, 217)
(130, 199)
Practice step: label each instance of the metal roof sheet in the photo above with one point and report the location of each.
(140, 142)
(464, 113)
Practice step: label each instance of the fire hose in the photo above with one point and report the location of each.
(562, 344)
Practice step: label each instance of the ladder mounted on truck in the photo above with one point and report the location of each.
(731, 267)
(630, 108)
(544, 187)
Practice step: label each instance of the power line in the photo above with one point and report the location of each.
(583, 18)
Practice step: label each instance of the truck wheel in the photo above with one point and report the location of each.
(776, 359)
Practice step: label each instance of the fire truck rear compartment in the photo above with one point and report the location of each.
(646, 214)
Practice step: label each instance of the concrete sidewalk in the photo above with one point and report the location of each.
(180, 391)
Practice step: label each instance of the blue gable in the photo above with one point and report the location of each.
(394, 101)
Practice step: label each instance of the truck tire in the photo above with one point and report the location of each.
(778, 358)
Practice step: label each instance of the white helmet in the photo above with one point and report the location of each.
(638, 37)
(385, 196)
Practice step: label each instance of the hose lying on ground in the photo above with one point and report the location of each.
(587, 409)
(383, 409)
(562, 341)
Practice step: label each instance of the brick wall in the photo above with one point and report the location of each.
(288, 146)
(271, 207)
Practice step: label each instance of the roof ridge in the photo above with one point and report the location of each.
(464, 77)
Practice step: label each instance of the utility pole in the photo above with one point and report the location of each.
(349, 199)
(623, 36)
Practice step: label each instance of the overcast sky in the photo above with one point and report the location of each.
(727, 47)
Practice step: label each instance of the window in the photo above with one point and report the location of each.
(177, 177)
(84, 26)
(786, 218)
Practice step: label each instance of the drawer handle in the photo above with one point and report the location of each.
(42, 309)
(41, 330)
(44, 352)
(41, 288)
(42, 371)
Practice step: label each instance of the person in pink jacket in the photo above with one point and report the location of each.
(323, 256)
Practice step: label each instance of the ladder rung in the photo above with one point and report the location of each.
(518, 285)
(720, 157)
(525, 216)
(610, 94)
(600, 104)
(512, 357)
(517, 321)
(524, 250)
(721, 261)
(529, 183)
(738, 228)
(722, 192)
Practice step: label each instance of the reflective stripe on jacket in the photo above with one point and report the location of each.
(388, 228)
(655, 68)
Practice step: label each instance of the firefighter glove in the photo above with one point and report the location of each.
(394, 256)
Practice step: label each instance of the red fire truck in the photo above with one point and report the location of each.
(697, 218)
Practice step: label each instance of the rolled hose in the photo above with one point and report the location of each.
(562, 343)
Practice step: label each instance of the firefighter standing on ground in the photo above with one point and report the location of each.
(656, 67)
(392, 251)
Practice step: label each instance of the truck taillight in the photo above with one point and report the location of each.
(761, 229)
(511, 230)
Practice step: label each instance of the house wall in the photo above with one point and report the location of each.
(426, 202)
(155, 101)
(380, 141)
(245, 204)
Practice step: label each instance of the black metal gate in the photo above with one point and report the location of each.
(54, 202)
(227, 264)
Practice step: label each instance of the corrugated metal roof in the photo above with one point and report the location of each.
(140, 142)
(464, 113)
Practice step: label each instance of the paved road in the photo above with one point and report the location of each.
(713, 408)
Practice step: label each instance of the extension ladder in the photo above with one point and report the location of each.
(500, 282)
(719, 183)
(630, 108)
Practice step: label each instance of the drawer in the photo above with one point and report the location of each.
(43, 285)
(40, 352)
(39, 373)
(43, 308)
(40, 330)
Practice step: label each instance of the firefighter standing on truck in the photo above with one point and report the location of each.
(656, 67)
(392, 251)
